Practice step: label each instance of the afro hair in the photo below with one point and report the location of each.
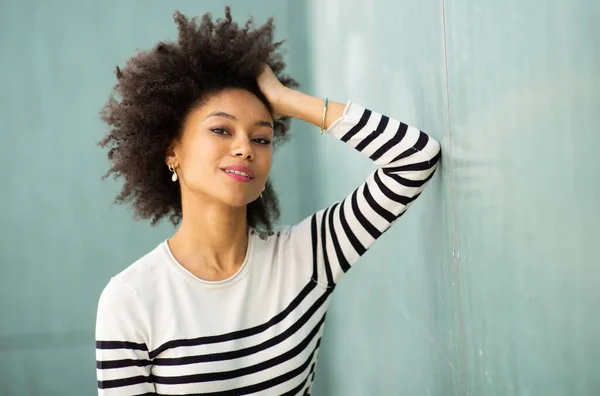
(157, 89)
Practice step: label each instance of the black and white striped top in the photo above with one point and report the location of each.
(162, 331)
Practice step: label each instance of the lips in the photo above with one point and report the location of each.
(240, 171)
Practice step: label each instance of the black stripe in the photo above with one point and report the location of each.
(121, 345)
(360, 249)
(139, 379)
(417, 166)
(239, 333)
(225, 375)
(371, 136)
(356, 128)
(371, 229)
(386, 214)
(417, 147)
(238, 353)
(336, 243)
(422, 141)
(112, 364)
(406, 153)
(147, 394)
(315, 246)
(407, 182)
(404, 200)
(330, 282)
(400, 133)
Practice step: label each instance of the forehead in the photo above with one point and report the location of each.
(240, 103)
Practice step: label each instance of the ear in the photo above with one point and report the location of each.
(170, 155)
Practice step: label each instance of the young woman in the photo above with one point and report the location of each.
(232, 304)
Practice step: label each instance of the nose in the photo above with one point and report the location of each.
(242, 149)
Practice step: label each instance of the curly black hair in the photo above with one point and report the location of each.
(158, 88)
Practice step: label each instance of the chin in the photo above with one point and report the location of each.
(237, 201)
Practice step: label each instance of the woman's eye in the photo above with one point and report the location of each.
(262, 141)
(219, 131)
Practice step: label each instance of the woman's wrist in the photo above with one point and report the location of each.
(293, 103)
(285, 105)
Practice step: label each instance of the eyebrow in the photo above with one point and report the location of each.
(232, 117)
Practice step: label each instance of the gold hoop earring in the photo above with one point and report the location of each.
(262, 192)
(174, 177)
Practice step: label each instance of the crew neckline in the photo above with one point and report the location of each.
(239, 274)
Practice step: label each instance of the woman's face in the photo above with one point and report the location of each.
(233, 131)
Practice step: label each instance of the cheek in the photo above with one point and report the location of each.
(266, 162)
(200, 159)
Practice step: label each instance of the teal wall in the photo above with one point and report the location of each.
(488, 286)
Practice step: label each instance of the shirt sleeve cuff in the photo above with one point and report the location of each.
(351, 115)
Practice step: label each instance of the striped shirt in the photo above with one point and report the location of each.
(160, 330)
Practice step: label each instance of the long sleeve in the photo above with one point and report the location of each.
(334, 238)
(122, 361)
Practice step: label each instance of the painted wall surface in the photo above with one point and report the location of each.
(489, 285)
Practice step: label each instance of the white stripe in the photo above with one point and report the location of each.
(137, 389)
(120, 373)
(118, 354)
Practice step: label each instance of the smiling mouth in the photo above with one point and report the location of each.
(238, 175)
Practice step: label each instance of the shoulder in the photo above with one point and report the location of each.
(141, 274)
(283, 242)
(144, 267)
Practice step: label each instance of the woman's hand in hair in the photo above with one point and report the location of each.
(273, 90)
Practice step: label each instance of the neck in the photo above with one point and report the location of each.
(212, 239)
